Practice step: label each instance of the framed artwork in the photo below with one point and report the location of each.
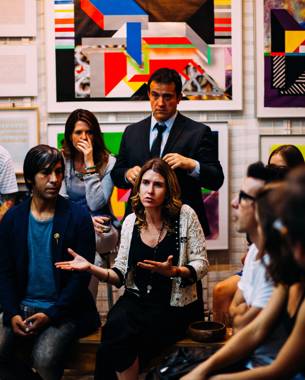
(270, 142)
(18, 18)
(18, 70)
(19, 131)
(280, 52)
(216, 202)
(101, 53)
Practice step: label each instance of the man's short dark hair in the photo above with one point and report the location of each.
(166, 76)
(40, 157)
(258, 170)
(268, 173)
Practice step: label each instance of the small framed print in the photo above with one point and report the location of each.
(19, 131)
(18, 70)
(18, 18)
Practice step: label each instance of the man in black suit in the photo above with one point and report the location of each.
(187, 146)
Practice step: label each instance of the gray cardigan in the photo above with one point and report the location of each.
(96, 188)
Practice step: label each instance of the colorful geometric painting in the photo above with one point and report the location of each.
(284, 53)
(105, 50)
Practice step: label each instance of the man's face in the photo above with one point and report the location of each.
(47, 182)
(163, 100)
(244, 206)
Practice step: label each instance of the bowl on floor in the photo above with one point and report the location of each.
(207, 331)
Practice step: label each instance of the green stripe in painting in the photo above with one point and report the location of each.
(209, 55)
(61, 47)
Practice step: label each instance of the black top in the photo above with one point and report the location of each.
(289, 320)
(153, 286)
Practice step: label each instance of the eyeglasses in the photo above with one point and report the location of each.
(242, 195)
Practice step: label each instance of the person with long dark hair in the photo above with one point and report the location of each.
(281, 160)
(161, 261)
(87, 177)
(286, 155)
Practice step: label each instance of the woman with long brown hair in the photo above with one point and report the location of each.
(161, 261)
(87, 178)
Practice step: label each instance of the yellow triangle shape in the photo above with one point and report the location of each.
(118, 207)
(133, 85)
(293, 39)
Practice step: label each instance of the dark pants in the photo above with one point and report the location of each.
(45, 352)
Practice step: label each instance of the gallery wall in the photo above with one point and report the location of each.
(244, 128)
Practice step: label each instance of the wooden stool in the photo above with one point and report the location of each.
(81, 359)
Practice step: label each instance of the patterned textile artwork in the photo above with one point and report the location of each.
(107, 49)
(284, 53)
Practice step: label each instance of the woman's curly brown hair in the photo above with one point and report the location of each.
(172, 203)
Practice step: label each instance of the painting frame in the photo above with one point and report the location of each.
(22, 121)
(267, 141)
(263, 111)
(222, 241)
(20, 83)
(55, 106)
(19, 28)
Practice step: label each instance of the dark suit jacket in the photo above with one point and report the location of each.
(188, 138)
(74, 226)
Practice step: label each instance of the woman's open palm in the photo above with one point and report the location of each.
(164, 268)
(78, 263)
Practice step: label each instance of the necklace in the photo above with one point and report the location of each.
(149, 285)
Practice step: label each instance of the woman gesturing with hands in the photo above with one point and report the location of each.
(161, 261)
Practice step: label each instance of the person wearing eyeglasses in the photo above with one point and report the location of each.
(253, 289)
(243, 212)
(280, 213)
(280, 162)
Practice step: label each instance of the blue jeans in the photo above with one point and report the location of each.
(48, 349)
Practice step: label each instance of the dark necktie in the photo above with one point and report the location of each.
(156, 146)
